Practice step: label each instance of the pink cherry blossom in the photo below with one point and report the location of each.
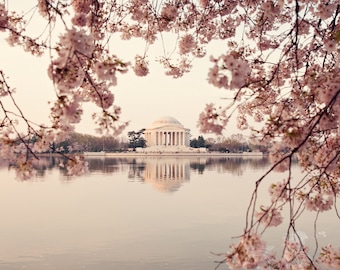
(319, 202)
(169, 12)
(212, 120)
(3, 17)
(330, 257)
(269, 216)
(78, 41)
(186, 44)
(141, 66)
(279, 62)
(247, 253)
(79, 19)
(278, 191)
(76, 166)
(82, 6)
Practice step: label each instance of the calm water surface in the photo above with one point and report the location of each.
(132, 213)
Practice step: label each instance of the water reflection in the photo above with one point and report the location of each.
(234, 165)
(166, 174)
(115, 218)
(42, 166)
(156, 168)
(169, 167)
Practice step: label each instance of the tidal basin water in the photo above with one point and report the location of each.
(140, 213)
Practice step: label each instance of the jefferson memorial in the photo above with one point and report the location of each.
(167, 134)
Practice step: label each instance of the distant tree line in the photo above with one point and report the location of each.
(236, 143)
(77, 142)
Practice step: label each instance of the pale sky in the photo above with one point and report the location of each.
(142, 99)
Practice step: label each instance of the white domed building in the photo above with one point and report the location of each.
(167, 134)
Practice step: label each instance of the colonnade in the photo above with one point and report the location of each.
(165, 138)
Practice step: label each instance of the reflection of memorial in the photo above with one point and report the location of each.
(167, 174)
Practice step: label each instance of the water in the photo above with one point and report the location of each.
(131, 213)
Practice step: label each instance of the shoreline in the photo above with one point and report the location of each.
(172, 154)
(157, 154)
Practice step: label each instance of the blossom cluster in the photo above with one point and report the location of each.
(108, 121)
(250, 252)
(106, 69)
(330, 257)
(279, 191)
(212, 120)
(269, 216)
(3, 17)
(229, 71)
(319, 202)
(81, 77)
(295, 255)
(247, 253)
(77, 166)
(186, 44)
(141, 66)
(14, 154)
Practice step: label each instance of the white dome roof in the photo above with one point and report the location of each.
(166, 121)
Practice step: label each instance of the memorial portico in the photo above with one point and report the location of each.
(167, 137)
(167, 132)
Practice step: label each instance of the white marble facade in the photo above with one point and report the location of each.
(167, 132)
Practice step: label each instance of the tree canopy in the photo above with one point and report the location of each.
(197, 143)
(136, 139)
(279, 66)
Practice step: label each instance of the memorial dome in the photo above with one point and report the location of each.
(166, 121)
